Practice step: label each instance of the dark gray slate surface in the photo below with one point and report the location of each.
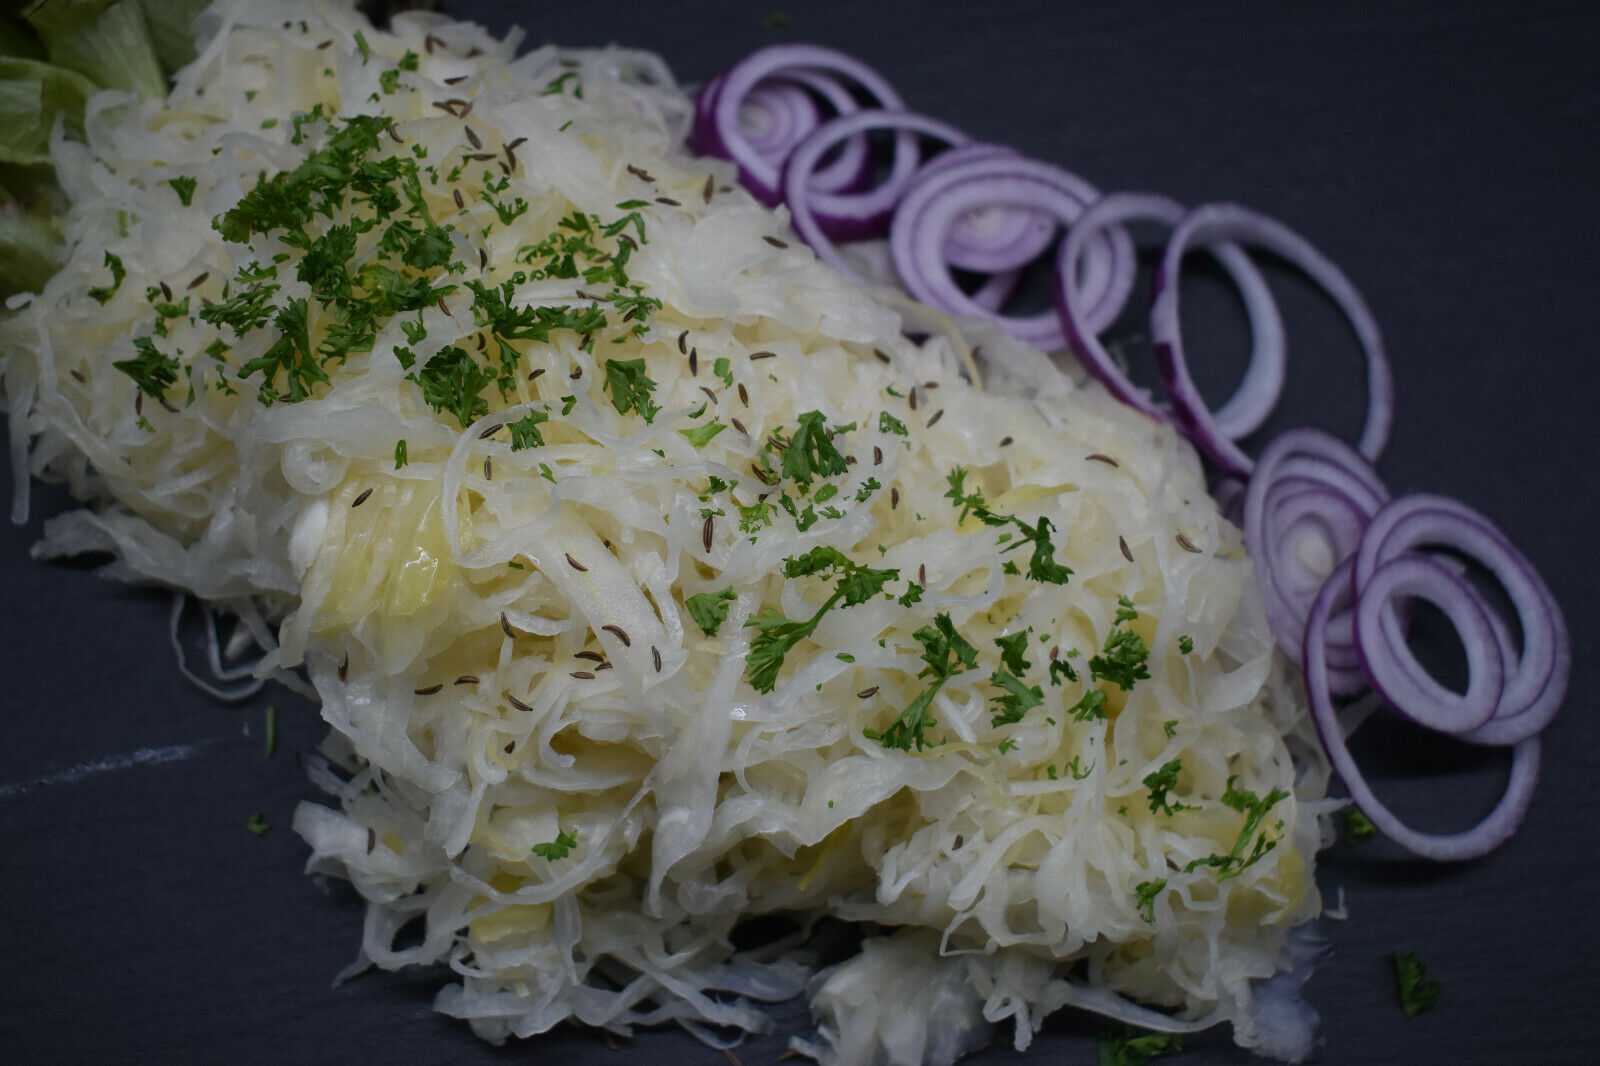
(1444, 154)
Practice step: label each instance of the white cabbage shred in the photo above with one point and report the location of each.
(499, 636)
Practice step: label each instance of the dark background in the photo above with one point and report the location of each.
(1443, 154)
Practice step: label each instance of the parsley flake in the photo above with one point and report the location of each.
(710, 609)
(559, 848)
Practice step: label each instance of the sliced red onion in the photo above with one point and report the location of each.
(933, 204)
(991, 240)
(1310, 483)
(1395, 673)
(1537, 679)
(1490, 833)
(1222, 222)
(779, 113)
(1262, 382)
(854, 212)
(718, 130)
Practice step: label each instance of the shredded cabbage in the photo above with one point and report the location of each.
(537, 748)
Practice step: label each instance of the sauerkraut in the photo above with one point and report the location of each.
(529, 439)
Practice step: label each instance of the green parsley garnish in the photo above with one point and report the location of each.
(453, 381)
(778, 634)
(1160, 783)
(106, 292)
(151, 370)
(1358, 826)
(723, 368)
(400, 458)
(1185, 644)
(1125, 658)
(257, 824)
(710, 609)
(1125, 1046)
(525, 431)
(1417, 992)
(184, 187)
(364, 47)
(700, 436)
(1016, 701)
(947, 654)
(559, 848)
(630, 387)
(1042, 566)
(811, 452)
(1254, 808)
(1147, 891)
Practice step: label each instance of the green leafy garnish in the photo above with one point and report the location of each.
(1125, 1046)
(1358, 826)
(151, 370)
(1185, 644)
(184, 187)
(1417, 992)
(453, 381)
(1146, 893)
(1017, 699)
(559, 848)
(400, 458)
(811, 452)
(1160, 783)
(710, 609)
(106, 292)
(1042, 566)
(947, 654)
(1254, 808)
(271, 743)
(630, 387)
(700, 436)
(257, 824)
(777, 635)
(525, 431)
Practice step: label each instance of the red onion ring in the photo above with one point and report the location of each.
(1310, 480)
(718, 129)
(1262, 382)
(1490, 833)
(792, 112)
(797, 190)
(932, 204)
(1216, 222)
(1537, 680)
(1393, 670)
(996, 239)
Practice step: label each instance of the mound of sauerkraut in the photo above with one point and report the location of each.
(531, 440)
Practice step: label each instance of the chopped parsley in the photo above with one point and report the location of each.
(525, 431)
(1417, 992)
(104, 293)
(151, 370)
(700, 436)
(184, 187)
(257, 824)
(1160, 783)
(811, 453)
(1125, 1046)
(630, 387)
(777, 635)
(1125, 658)
(947, 654)
(1254, 808)
(559, 848)
(1185, 644)
(400, 458)
(1146, 893)
(1042, 566)
(710, 609)
(1358, 826)
(453, 381)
